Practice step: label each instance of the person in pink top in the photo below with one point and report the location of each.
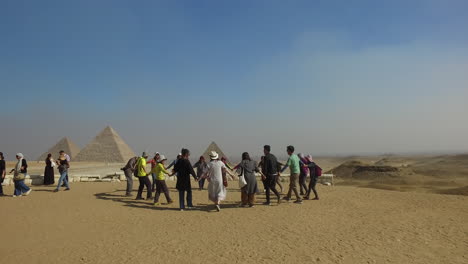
(153, 163)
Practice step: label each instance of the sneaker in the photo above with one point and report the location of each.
(181, 210)
(128, 194)
(316, 198)
(279, 200)
(170, 202)
(242, 205)
(298, 202)
(218, 208)
(286, 198)
(67, 189)
(156, 204)
(56, 190)
(190, 207)
(251, 206)
(28, 192)
(266, 203)
(306, 198)
(16, 195)
(139, 198)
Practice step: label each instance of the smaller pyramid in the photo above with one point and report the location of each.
(213, 147)
(64, 144)
(107, 146)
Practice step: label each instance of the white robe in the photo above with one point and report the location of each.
(216, 189)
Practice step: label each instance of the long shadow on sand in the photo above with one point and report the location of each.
(130, 202)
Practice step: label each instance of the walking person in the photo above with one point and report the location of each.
(184, 169)
(153, 163)
(228, 168)
(201, 167)
(217, 181)
(68, 158)
(129, 171)
(63, 166)
(49, 175)
(161, 186)
(20, 171)
(294, 167)
(313, 178)
(304, 170)
(173, 163)
(270, 169)
(143, 178)
(2, 172)
(248, 168)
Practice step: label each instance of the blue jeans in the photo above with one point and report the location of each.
(63, 178)
(189, 199)
(20, 187)
(201, 183)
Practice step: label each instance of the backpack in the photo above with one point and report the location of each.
(318, 171)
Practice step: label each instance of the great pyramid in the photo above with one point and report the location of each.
(107, 146)
(213, 147)
(64, 144)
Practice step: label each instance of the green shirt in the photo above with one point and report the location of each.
(141, 165)
(293, 163)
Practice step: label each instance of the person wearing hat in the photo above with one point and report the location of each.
(63, 166)
(313, 178)
(184, 169)
(143, 178)
(2, 172)
(217, 181)
(160, 177)
(20, 171)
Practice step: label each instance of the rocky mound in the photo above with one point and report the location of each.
(360, 171)
(456, 191)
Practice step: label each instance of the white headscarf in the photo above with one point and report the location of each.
(20, 161)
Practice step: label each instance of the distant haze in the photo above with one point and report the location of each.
(329, 77)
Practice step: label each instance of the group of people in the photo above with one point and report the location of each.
(20, 172)
(216, 172)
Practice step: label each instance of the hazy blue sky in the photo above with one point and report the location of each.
(331, 77)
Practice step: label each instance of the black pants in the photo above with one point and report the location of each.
(144, 181)
(312, 184)
(270, 184)
(1, 187)
(302, 183)
(161, 187)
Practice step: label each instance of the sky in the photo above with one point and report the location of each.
(329, 77)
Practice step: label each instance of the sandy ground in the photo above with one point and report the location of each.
(94, 223)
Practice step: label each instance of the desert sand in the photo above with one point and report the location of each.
(95, 223)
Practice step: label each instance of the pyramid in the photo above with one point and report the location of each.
(213, 147)
(64, 144)
(107, 146)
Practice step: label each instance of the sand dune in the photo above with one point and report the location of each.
(94, 223)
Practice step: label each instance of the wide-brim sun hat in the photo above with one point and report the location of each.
(161, 158)
(214, 155)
